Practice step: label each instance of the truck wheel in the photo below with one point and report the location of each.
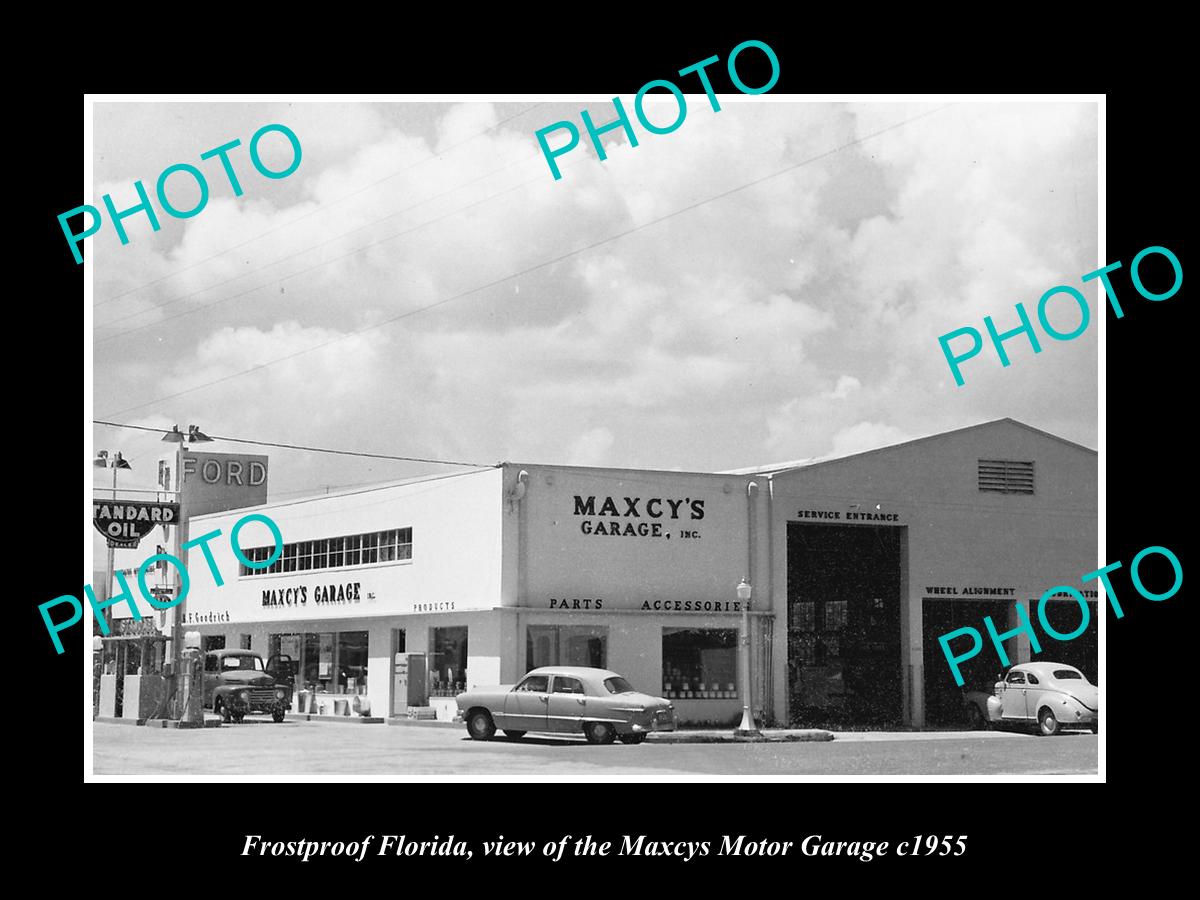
(1047, 724)
(277, 715)
(480, 725)
(222, 710)
(238, 717)
(632, 738)
(599, 732)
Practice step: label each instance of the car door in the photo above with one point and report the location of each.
(1012, 698)
(567, 705)
(525, 705)
(1033, 694)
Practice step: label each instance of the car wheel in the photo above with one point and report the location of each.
(515, 735)
(277, 715)
(221, 709)
(632, 738)
(1047, 724)
(599, 732)
(975, 719)
(480, 725)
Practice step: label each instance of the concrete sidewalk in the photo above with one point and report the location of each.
(715, 736)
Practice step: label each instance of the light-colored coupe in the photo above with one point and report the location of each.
(1050, 696)
(598, 703)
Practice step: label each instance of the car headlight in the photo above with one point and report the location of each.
(280, 693)
(244, 696)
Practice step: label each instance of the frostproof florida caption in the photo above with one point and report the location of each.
(740, 845)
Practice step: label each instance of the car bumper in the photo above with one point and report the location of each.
(653, 727)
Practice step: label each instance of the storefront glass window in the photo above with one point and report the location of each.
(566, 645)
(283, 651)
(318, 662)
(214, 642)
(352, 662)
(448, 661)
(700, 663)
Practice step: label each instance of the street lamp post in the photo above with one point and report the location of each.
(743, 594)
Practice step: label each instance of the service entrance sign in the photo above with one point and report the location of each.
(125, 522)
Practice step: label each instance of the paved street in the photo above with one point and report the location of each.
(314, 748)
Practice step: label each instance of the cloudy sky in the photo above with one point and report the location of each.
(796, 317)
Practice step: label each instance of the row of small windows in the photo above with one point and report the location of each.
(394, 545)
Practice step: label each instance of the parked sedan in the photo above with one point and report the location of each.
(1050, 696)
(566, 700)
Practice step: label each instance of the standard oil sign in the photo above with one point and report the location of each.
(125, 522)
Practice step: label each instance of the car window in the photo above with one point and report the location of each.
(1016, 677)
(564, 685)
(1033, 679)
(241, 663)
(1067, 675)
(618, 685)
(535, 683)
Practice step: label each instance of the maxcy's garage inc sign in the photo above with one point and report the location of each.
(654, 517)
(125, 523)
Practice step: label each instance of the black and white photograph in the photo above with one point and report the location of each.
(700, 432)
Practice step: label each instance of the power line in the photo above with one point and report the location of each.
(319, 208)
(303, 252)
(364, 454)
(532, 268)
(292, 275)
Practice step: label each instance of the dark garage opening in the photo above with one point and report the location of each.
(1081, 652)
(844, 605)
(943, 697)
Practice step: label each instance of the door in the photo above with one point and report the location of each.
(525, 705)
(567, 706)
(1012, 698)
(399, 674)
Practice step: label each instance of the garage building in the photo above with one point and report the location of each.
(856, 565)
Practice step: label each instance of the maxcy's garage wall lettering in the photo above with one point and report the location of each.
(589, 603)
(836, 515)
(298, 596)
(629, 508)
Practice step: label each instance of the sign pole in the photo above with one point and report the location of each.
(176, 610)
(111, 557)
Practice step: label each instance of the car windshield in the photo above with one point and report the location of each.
(241, 663)
(1067, 675)
(618, 685)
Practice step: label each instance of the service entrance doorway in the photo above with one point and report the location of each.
(844, 600)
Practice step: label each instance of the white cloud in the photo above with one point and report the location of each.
(590, 448)
(865, 436)
(719, 337)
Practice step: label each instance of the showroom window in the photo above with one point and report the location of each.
(214, 642)
(448, 661)
(700, 663)
(330, 662)
(566, 645)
